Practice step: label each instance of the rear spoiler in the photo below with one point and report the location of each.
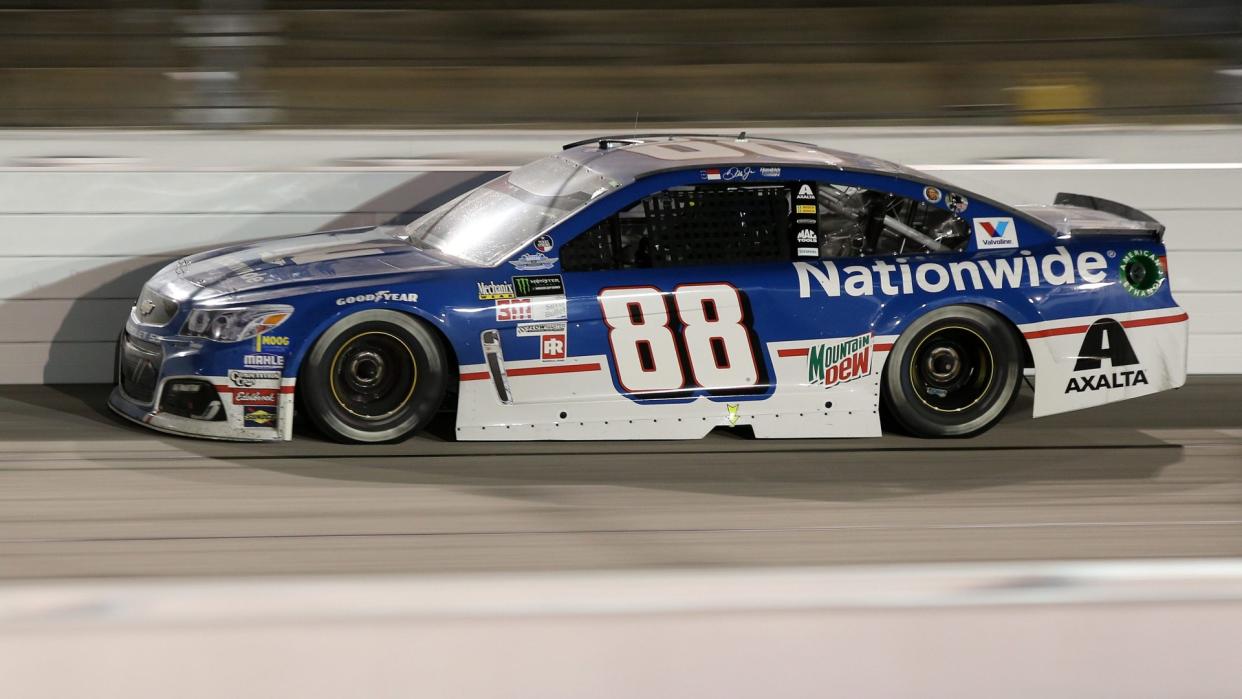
(1129, 213)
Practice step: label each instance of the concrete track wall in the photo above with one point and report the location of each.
(86, 217)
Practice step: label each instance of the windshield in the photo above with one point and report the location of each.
(493, 222)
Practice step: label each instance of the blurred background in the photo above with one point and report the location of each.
(1096, 553)
(376, 63)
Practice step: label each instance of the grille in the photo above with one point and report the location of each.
(153, 308)
(140, 368)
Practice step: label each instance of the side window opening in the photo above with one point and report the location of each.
(687, 226)
(770, 222)
(859, 222)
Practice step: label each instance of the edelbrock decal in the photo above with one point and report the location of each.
(255, 396)
(892, 278)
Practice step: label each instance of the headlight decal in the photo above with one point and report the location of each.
(234, 324)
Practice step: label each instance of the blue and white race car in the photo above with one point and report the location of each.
(657, 287)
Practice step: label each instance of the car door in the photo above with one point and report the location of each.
(682, 295)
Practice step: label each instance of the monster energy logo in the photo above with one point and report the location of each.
(544, 285)
(838, 362)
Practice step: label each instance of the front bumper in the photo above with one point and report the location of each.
(240, 404)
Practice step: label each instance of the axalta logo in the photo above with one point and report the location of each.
(1106, 340)
(383, 295)
(995, 233)
(838, 362)
(883, 277)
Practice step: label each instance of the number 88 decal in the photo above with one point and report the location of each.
(712, 350)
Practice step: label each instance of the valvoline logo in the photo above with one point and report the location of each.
(995, 233)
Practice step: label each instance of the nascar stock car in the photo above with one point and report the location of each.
(641, 287)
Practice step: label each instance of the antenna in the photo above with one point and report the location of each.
(635, 120)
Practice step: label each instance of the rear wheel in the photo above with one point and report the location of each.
(374, 376)
(953, 373)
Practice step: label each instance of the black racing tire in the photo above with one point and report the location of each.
(374, 376)
(953, 373)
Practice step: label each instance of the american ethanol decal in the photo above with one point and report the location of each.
(892, 278)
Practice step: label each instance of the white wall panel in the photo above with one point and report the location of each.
(56, 362)
(27, 192)
(152, 234)
(76, 242)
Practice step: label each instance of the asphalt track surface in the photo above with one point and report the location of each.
(86, 494)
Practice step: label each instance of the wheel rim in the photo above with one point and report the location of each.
(952, 369)
(373, 375)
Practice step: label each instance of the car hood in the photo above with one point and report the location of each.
(316, 258)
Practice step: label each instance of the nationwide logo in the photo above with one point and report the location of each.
(247, 379)
(489, 291)
(542, 285)
(258, 416)
(995, 233)
(263, 361)
(996, 272)
(770, 171)
(1106, 340)
(838, 362)
(382, 295)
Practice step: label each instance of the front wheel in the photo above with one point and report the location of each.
(953, 373)
(374, 376)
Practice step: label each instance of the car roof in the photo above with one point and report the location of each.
(630, 157)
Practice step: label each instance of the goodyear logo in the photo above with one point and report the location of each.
(833, 363)
(274, 341)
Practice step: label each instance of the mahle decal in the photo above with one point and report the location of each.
(838, 362)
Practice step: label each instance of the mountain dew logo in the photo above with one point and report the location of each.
(837, 362)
